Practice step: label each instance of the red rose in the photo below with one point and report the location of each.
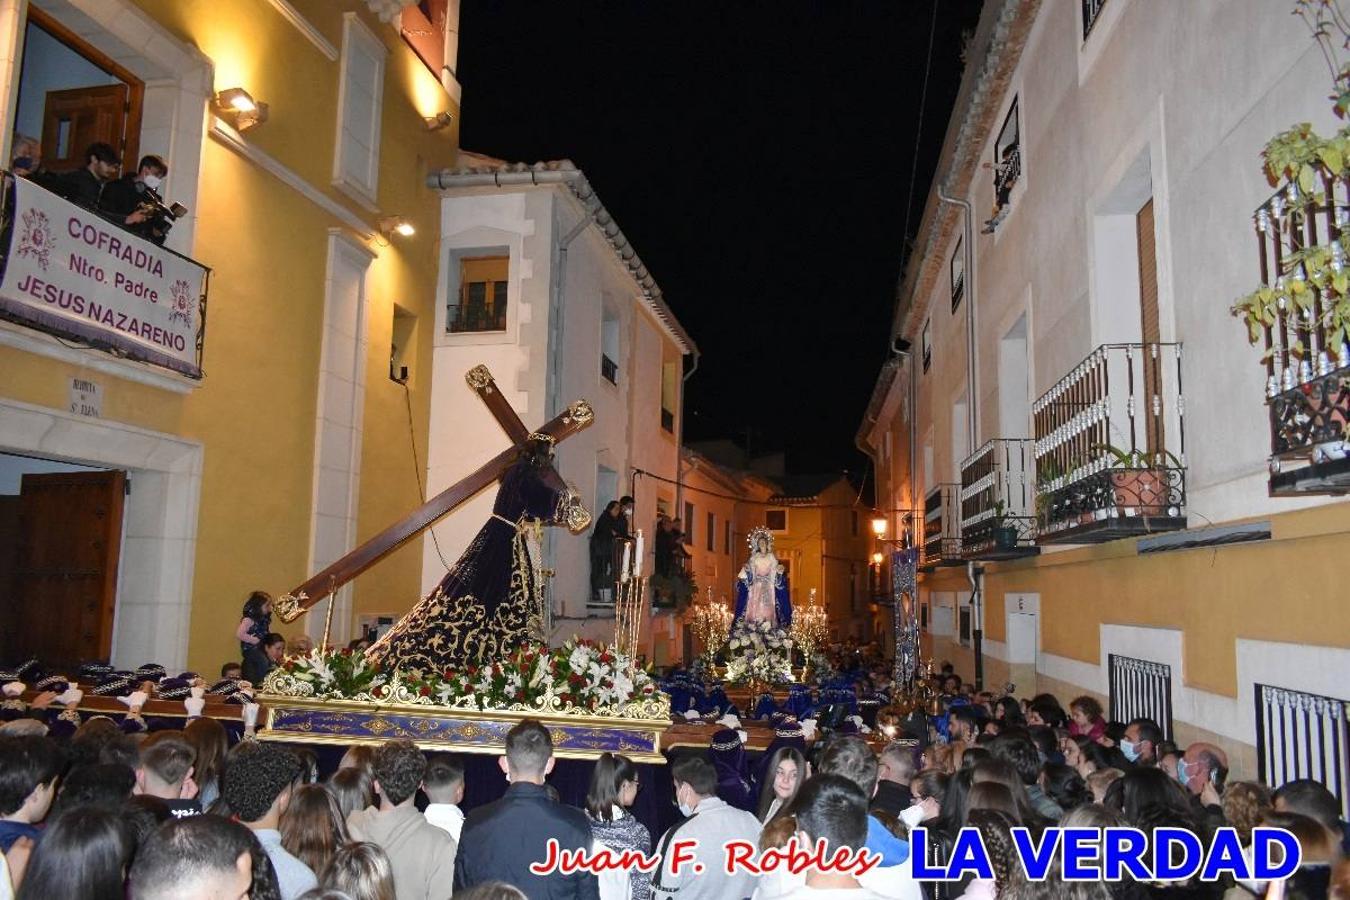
(574, 678)
(424, 690)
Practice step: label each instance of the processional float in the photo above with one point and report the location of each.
(633, 729)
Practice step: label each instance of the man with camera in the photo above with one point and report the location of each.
(134, 201)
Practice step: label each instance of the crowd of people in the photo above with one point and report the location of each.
(107, 811)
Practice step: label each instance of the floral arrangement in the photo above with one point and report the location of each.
(758, 652)
(580, 677)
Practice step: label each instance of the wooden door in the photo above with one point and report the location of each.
(65, 574)
(74, 119)
(1150, 330)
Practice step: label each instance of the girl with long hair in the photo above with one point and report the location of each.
(208, 738)
(84, 854)
(352, 788)
(313, 827)
(783, 779)
(614, 788)
(254, 622)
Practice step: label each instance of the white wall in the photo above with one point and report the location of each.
(526, 223)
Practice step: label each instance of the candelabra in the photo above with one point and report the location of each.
(809, 630)
(630, 593)
(711, 625)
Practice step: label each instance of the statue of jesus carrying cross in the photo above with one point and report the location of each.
(492, 599)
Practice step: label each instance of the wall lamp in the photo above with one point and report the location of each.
(238, 106)
(438, 121)
(879, 526)
(392, 225)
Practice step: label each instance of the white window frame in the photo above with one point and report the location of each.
(354, 31)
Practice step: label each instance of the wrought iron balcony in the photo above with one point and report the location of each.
(1307, 367)
(998, 500)
(609, 369)
(942, 527)
(1110, 447)
(1092, 11)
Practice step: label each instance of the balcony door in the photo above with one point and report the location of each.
(1149, 328)
(72, 95)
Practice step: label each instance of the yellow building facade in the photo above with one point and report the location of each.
(300, 438)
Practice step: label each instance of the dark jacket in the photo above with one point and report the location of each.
(256, 665)
(79, 186)
(500, 841)
(891, 797)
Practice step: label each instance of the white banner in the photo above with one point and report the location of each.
(72, 272)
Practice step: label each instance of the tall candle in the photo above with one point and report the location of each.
(623, 566)
(637, 563)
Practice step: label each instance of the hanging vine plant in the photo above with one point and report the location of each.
(1311, 282)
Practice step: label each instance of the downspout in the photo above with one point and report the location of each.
(974, 573)
(679, 441)
(556, 316)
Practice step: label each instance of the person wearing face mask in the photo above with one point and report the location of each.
(1140, 743)
(122, 199)
(713, 823)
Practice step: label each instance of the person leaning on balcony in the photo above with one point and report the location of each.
(122, 199)
(85, 186)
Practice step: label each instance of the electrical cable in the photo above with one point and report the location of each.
(417, 470)
(918, 129)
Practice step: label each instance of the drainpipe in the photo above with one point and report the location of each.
(972, 363)
(679, 441)
(975, 574)
(555, 313)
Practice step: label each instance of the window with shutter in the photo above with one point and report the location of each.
(356, 160)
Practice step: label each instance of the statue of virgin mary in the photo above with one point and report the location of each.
(761, 587)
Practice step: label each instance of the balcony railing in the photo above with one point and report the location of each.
(998, 500)
(609, 369)
(1092, 11)
(1110, 447)
(667, 420)
(942, 527)
(1307, 368)
(467, 319)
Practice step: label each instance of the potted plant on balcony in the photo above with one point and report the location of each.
(1137, 474)
(1005, 533)
(1303, 317)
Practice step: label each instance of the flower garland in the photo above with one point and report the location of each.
(759, 652)
(581, 676)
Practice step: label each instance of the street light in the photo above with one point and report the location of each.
(877, 558)
(879, 526)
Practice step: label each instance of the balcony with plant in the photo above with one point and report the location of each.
(998, 501)
(1300, 312)
(1110, 447)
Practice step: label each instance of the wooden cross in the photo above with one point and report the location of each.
(293, 605)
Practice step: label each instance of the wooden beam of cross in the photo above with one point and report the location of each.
(293, 605)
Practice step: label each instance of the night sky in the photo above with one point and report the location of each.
(758, 156)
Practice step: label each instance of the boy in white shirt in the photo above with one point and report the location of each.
(833, 809)
(444, 786)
